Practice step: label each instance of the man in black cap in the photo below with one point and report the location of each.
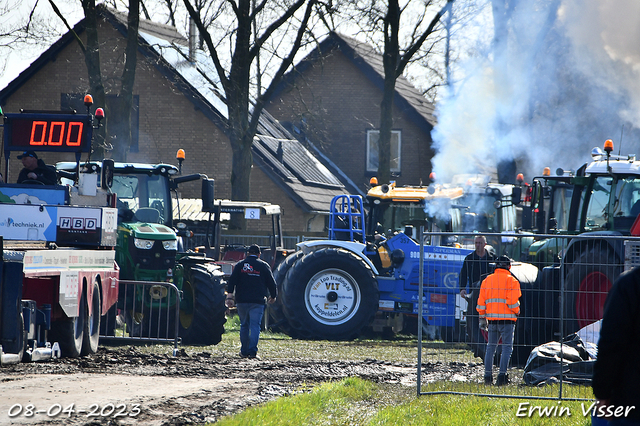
(250, 280)
(35, 170)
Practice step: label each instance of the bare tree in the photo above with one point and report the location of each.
(383, 20)
(119, 125)
(252, 28)
(91, 53)
(22, 32)
(120, 128)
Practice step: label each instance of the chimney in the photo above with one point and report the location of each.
(192, 40)
(279, 152)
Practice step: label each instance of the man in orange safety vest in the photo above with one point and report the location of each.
(498, 308)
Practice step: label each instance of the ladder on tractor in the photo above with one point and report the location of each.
(346, 221)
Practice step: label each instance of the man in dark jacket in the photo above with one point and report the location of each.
(35, 170)
(616, 376)
(475, 268)
(250, 280)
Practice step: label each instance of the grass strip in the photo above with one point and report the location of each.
(354, 401)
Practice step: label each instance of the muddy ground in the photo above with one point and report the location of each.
(124, 385)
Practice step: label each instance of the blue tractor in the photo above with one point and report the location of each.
(367, 272)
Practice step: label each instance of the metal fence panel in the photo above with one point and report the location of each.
(147, 312)
(564, 282)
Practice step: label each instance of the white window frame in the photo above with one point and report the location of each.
(372, 150)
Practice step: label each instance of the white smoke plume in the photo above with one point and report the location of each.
(564, 77)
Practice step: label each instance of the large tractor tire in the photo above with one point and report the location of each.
(202, 310)
(277, 320)
(588, 282)
(329, 294)
(91, 333)
(69, 332)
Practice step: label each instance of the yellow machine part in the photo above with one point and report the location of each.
(414, 193)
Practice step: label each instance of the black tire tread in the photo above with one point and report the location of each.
(209, 314)
(90, 341)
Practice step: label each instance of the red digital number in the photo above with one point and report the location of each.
(56, 133)
(74, 135)
(38, 130)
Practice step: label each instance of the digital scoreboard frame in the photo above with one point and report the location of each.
(48, 132)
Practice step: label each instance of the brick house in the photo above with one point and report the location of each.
(333, 98)
(175, 107)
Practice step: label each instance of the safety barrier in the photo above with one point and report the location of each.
(147, 312)
(564, 283)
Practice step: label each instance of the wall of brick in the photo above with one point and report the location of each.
(339, 104)
(263, 188)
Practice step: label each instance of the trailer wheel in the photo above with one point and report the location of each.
(330, 294)
(69, 332)
(588, 282)
(91, 334)
(278, 321)
(202, 309)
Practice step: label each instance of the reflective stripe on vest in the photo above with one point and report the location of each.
(505, 316)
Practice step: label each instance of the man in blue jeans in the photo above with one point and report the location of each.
(252, 281)
(499, 307)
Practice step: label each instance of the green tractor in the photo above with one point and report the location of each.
(149, 249)
(548, 212)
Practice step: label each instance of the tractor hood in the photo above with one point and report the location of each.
(150, 231)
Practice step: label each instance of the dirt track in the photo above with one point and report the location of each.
(192, 388)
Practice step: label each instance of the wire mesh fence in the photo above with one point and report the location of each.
(563, 280)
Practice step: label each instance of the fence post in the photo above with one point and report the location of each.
(561, 339)
(420, 306)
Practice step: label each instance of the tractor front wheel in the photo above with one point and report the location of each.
(202, 309)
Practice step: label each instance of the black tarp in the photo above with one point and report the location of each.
(574, 361)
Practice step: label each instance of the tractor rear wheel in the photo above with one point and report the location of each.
(202, 309)
(329, 294)
(588, 282)
(91, 333)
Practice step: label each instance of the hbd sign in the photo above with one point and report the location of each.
(78, 223)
